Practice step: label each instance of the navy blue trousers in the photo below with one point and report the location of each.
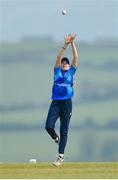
(59, 109)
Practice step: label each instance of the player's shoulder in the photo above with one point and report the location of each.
(72, 68)
(57, 69)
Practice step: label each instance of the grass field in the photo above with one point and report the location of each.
(66, 171)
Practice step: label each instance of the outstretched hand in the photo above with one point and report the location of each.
(69, 38)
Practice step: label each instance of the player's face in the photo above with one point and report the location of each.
(65, 66)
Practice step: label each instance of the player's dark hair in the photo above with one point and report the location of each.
(65, 59)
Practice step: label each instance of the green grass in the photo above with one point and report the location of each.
(66, 171)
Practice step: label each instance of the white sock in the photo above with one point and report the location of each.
(62, 155)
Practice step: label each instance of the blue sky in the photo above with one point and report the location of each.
(89, 19)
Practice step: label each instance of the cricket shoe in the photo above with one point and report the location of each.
(59, 161)
(57, 139)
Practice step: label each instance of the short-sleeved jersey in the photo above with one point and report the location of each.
(63, 83)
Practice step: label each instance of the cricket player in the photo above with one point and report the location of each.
(62, 93)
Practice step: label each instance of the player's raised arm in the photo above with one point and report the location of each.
(75, 53)
(61, 52)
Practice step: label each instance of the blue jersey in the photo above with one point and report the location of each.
(63, 83)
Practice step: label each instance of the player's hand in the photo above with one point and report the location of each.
(72, 37)
(69, 38)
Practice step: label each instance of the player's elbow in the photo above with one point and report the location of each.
(75, 62)
(76, 57)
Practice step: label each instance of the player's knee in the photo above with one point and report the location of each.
(64, 134)
(48, 129)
